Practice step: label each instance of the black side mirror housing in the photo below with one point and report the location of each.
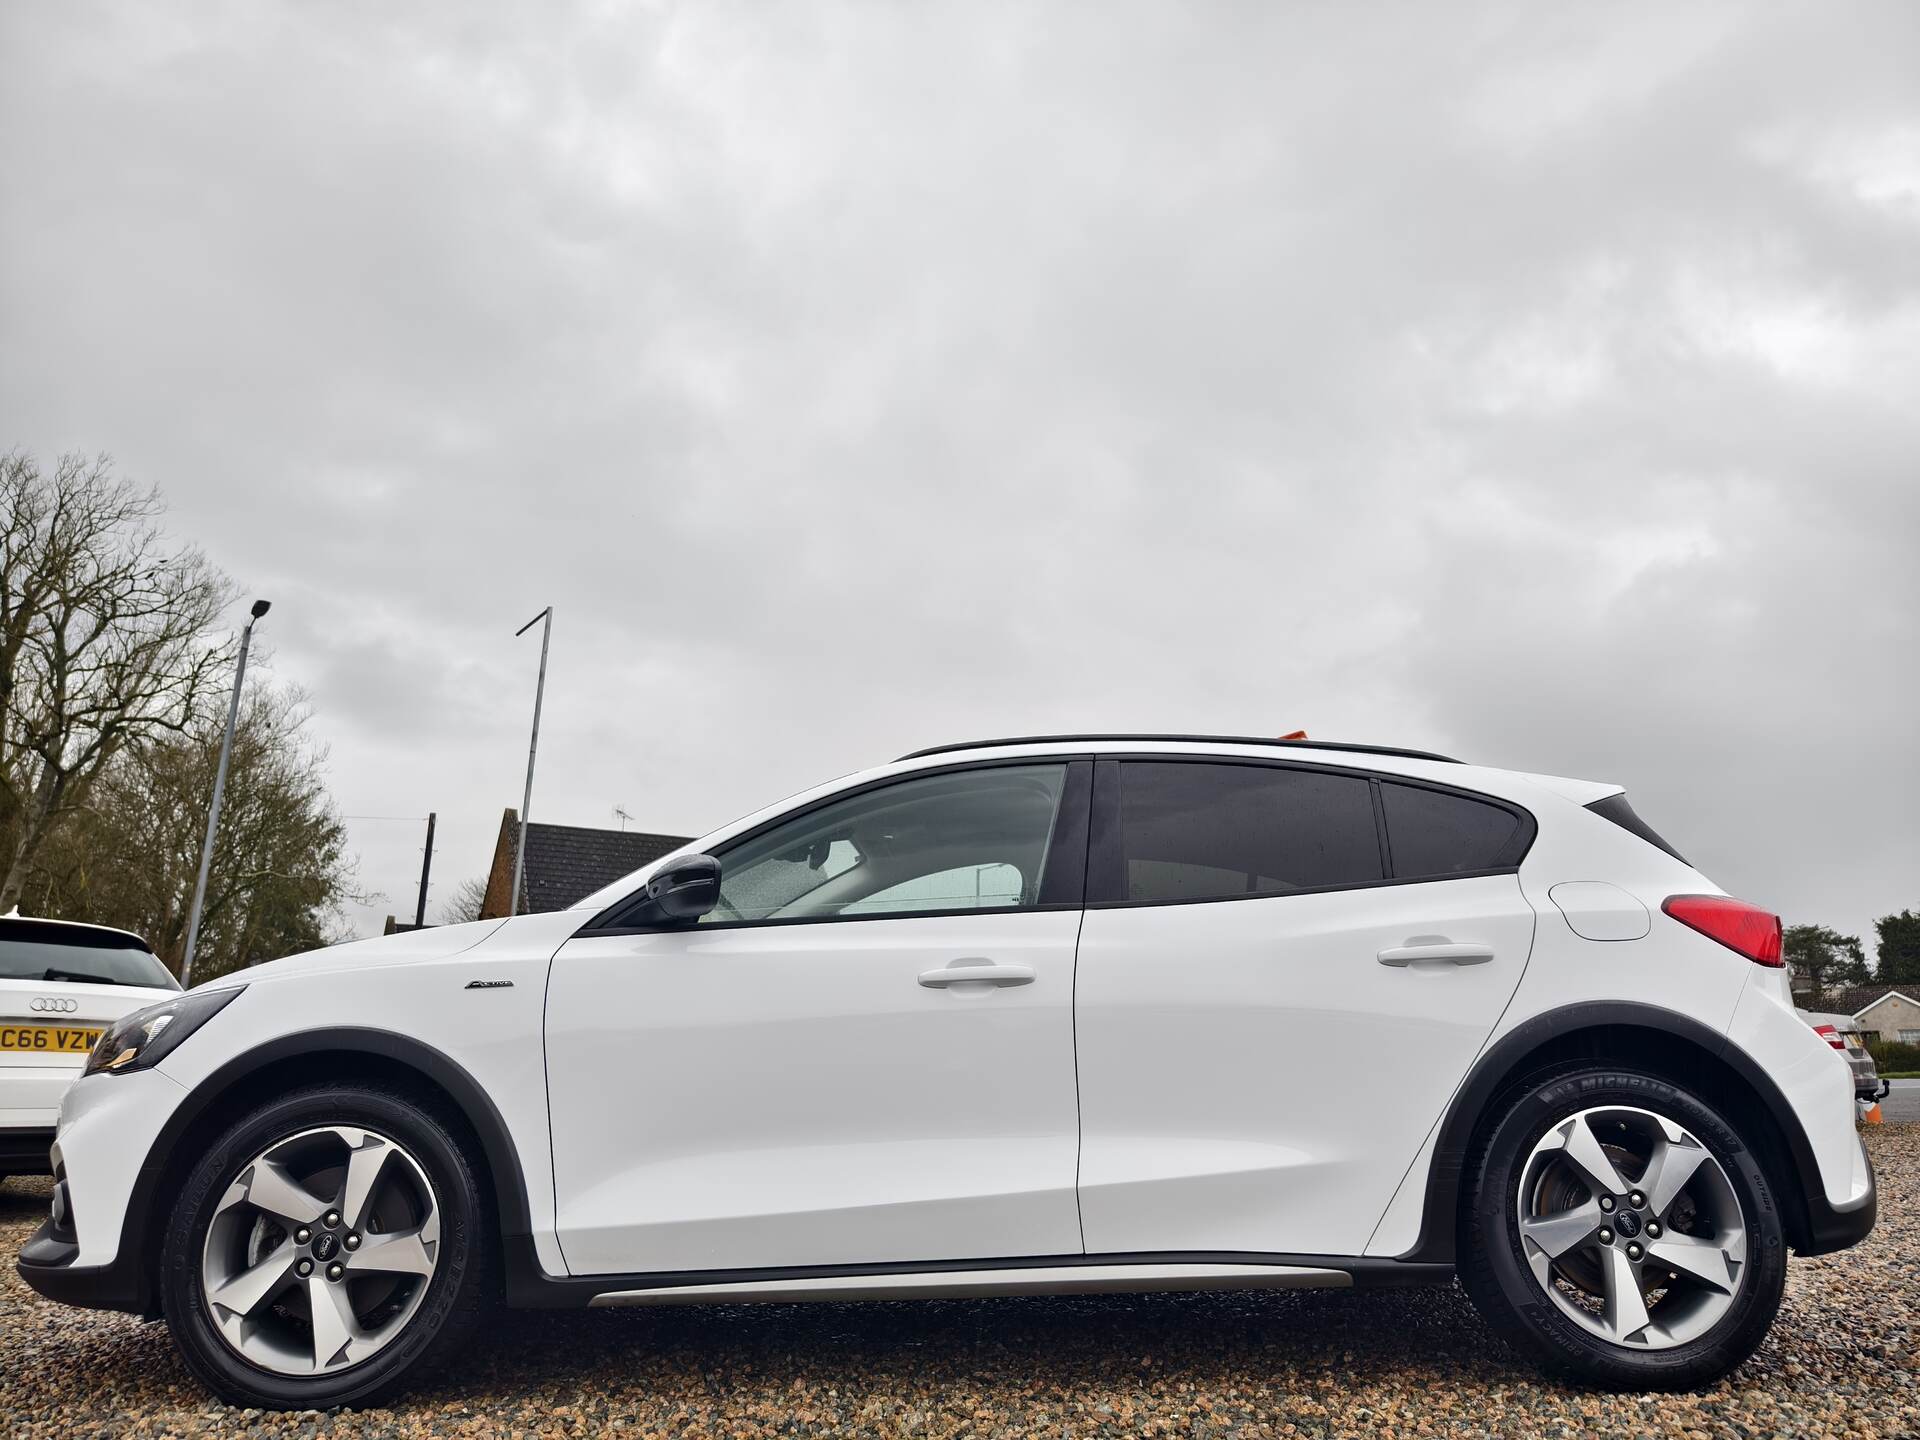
(685, 890)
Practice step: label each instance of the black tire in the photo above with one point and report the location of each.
(457, 1293)
(1495, 1271)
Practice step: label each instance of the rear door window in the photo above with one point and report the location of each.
(1194, 830)
(1433, 833)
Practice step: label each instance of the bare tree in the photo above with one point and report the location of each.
(106, 638)
(280, 866)
(465, 902)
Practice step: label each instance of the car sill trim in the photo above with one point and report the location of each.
(1026, 1280)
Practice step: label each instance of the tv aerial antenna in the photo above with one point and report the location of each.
(622, 816)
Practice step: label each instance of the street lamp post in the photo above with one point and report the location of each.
(526, 800)
(260, 607)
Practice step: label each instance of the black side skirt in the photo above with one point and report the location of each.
(528, 1287)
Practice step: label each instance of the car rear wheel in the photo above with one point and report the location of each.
(326, 1249)
(1621, 1231)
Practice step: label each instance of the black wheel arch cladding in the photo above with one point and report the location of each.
(212, 1102)
(1677, 1046)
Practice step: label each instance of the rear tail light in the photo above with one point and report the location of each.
(1830, 1035)
(1745, 929)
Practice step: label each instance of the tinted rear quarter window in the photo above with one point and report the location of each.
(1616, 809)
(1432, 832)
(1192, 830)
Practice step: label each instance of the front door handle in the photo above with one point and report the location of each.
(976, 971)
(1443, 951)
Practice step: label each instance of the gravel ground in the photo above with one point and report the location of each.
(1903, 1102)
(1840, 1361)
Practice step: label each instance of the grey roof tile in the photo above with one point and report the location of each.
(568, 862)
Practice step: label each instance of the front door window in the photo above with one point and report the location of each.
(965, 840)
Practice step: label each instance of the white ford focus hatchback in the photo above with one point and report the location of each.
(1061, 1014)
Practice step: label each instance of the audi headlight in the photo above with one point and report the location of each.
(146, 1037)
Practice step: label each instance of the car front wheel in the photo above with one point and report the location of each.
(327, 1248)
(1619, 1229)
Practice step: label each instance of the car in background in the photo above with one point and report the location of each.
(1843, 1033)
(61, 985)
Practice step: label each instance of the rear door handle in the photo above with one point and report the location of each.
(973, 971)
(1442, 951)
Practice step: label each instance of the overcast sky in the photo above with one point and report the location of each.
(1539, 387)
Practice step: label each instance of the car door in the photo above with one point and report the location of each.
(864, 1054)
(1271, 1010)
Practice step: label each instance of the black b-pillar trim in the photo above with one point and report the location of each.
(1064, 881)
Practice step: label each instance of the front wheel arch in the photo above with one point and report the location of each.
(314, 1057)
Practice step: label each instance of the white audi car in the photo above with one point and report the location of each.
(1056, 1014)
(61, 985)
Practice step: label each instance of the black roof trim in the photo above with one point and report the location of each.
(1198, 739)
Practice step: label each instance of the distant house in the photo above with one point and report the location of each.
(1879, 1009)
(566, 862)
(1894, 1014)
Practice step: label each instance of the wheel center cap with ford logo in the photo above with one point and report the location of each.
(325, 1245)
(1627, 1223)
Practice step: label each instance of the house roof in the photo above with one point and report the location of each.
(1852, 999)
(565, 863)
(1856, 1000)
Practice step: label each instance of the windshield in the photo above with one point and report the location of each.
(34, 950)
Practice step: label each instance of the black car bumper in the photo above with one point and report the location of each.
(24, 1152)
(46, 1264)
(1835, 1227)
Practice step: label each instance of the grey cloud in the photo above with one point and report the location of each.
(853, 378)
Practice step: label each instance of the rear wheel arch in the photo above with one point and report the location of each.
(292, 1062)
(1644, 1037)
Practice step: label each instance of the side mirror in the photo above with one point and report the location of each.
(685, 890)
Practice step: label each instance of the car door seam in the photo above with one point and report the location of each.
(1079, 1124)
(553, 1158)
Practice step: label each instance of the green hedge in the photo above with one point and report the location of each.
(1892, 1055)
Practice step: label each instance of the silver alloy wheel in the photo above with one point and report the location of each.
(1632, 1227)
(320, 1251)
